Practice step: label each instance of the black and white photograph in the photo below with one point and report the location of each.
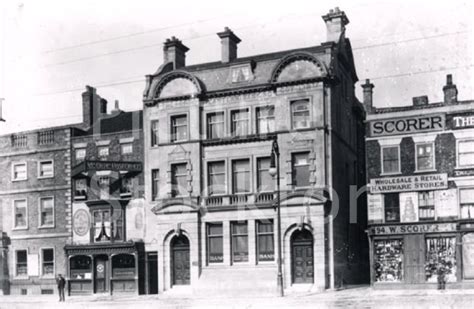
(246, 154)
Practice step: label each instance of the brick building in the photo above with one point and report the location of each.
(421, 191)
(106, 253)
(35, 204)
(208, 133)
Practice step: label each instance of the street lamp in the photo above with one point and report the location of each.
(274, 170)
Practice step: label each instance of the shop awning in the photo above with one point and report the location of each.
(88, 166)
(105, 248)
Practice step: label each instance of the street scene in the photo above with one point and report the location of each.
(300, 155)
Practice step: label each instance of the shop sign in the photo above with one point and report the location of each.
(409, 183)
(446, 203)
(463, 173)
(463, 121)
(375, 207)
(113, 166)
(413, 228)
(409, 207)
(407, 125)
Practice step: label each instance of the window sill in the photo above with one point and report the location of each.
(80, 198)
(26, 277)
(126, 195)
(45, 177)
(391, 174)
(45, 227)
(20, 228)
(17, 180)
(463, 167)
(425, 171)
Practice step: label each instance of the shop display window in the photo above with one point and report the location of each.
(388, 260)
(440, 257)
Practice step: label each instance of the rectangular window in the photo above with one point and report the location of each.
(300, 114)
(179, 128)
(240, 122)
(215, 243)
(45, 169)
(216, 177)
(103, 151)
(392, 207)
(265, 119)
(20, 214)
(178, 179)
(390, 159)
(80, 188)
(426, 205)
(300, 169)
(126, 148)
(215, 125)
(104, 187)
(240, 248)
(102, 225)
(21, 263)
(265, 181)
(47, 263)
(240, 176)
(19, 171)
(80, 154)
(265, 243)
(466, 153)
(466, 200)
(154, 133)
(440, 253)
(46, 212)
(388, 264)
(155, 182)
(126, 186)
(425, 157)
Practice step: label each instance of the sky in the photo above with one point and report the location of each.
(50, 50)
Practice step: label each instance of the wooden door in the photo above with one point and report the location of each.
(302, 257)
(181, 270)
(414, 249)
(101, 275)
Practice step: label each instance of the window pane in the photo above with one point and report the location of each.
(300, 114)
(241, 176)
(127, 148)
(216, 177)
(48, 261)
(155, 183)
(265, 241)
(388, 258)
(424, 156)
(390, 159)
(466, 146)
(265, 181)
(239, 123)
(392, 207)
(265, 119)
(466, 196)
(215, 125)
(154, 132)
(440, 253)
(21, 263)
(20, 213)
(239, 242)
(19, 171)
(300, 169)
(47, 217)
(215, 243)
(46, 169)
(179, 128)
(80, 153)
(179, 182)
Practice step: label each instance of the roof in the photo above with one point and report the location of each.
(122, 122)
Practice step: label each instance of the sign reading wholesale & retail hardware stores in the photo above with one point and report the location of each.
(409, 183)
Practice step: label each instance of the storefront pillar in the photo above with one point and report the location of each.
(371, 259)
(135, 255)
(459, 261)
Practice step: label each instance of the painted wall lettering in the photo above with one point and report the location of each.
(407, 125)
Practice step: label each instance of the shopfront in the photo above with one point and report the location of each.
(415, 254)
(113, 268)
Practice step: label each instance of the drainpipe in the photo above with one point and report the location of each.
(328, 180)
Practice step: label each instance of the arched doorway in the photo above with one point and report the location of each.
(180, 266)
(302, 265)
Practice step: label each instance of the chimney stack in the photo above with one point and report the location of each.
(420, 101)
(450, 91)
(368, 92)
(336, 21)
(116, 109)
(175, 51)
(93, 107)
(229, 43)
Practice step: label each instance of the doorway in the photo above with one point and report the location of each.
(180, 266)
(101, 275)
(302, 257)
(152, 272)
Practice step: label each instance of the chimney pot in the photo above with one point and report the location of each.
(229, 43)
(175, 51)
(336, 21)
(450, 91)
(368, 92)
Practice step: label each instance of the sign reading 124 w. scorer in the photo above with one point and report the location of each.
(406, 125)
(409, 183)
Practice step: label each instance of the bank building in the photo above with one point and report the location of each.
(420, 178)
(213, 132)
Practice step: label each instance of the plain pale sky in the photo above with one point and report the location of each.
(51, 49)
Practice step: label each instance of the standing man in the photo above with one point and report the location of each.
(61, 284)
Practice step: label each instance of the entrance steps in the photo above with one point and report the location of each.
(237, 280)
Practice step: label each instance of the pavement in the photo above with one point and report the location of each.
(357, 297)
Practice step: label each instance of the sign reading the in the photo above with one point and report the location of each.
(413, 228)
(464, 121)
(407, 125)
(409, 183)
